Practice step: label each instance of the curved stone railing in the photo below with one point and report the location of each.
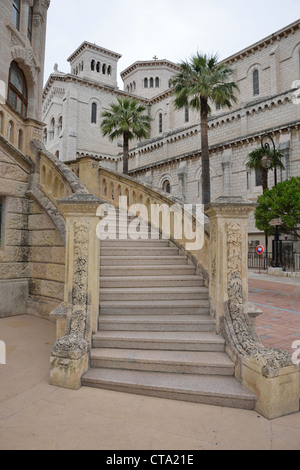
(52, 180)
(56, 179)
(185, 225)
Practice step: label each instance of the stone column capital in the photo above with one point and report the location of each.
(230, 206)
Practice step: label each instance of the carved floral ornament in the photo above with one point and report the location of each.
(241, 332)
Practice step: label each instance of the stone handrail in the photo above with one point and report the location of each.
(56, 179)
(112, 185)
(17, 131)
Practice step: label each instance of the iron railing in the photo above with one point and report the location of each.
(289, 260)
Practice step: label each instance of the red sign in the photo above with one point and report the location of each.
(260, 249)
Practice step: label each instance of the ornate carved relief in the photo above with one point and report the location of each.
(242, 332)
(75, 344)
(80, 277)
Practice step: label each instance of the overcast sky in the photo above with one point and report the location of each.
(169, 29)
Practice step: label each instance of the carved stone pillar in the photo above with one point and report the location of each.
(70, 354)
(267, 372)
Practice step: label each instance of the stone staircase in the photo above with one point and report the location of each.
(156, 336)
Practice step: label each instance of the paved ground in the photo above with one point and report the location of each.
(35, 415)
(279, 299)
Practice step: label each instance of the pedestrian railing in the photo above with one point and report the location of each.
(289, 260)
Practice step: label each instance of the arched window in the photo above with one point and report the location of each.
(60, 125)
(93, 65)
(167, 186)
(104, 69)
(134, 86)
(16, 13)
(17, 90)
(29, 24)
(160, 123)
(94, 113)
(255, 82)
(186, 114)
(20, 139)
(10, 132)
(151, 82)
(52, 129)
(157, 82)
(1, 122)
(109, 70)
(98, 67)
(145, 82)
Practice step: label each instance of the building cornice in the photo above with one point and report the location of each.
(269, 40)
(149, 63)
(69, 78)
(221, 146)
(93, 47)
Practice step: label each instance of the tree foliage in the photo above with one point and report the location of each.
(126, 119)
(255, 162)
(200, 82)
(281, 202)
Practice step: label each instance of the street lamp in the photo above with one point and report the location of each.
(267, 163)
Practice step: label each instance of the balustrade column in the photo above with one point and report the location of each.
(268, 372)
(70, 354)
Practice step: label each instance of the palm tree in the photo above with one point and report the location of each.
(255, 163)
(201, 81)
(126, 119)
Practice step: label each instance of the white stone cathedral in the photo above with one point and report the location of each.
(268, 76)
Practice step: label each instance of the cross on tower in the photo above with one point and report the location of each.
(155, 58)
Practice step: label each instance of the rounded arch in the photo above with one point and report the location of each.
(29, 67)
(165, 177)
(17, 89)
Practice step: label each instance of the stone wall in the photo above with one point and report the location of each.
(32, 253)
(46, 263)
(14, 248)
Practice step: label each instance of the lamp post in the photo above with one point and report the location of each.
(266, 163)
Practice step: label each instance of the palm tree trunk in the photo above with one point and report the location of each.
(264, 179)
(125, 152)
(205, 154)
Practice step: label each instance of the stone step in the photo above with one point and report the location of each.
(210, 390)
(124, 271)
(132, 243)
(153, 293)
(155, 307)
(184, 362)
(138, 251)
(151, 281)
(156, 323)
(159, 340)
(142, 260)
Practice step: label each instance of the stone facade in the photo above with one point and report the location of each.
(266, 73)
(32, 242)
(26, 46)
